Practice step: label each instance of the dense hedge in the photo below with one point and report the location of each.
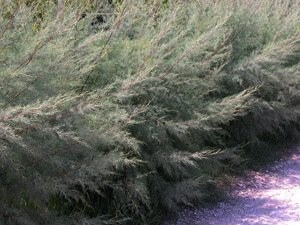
(122, 120)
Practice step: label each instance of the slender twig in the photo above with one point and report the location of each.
(10, 22)
(103, 48)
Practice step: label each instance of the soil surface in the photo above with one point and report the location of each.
(268, 196)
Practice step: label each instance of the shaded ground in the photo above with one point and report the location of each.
(270, 196)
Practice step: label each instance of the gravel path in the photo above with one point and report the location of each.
(271, 196)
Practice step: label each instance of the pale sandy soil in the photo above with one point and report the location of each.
(271, 196)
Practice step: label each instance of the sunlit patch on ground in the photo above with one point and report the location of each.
(271, 197)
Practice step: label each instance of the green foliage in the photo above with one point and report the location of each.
(124, 120)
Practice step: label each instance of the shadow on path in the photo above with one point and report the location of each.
(271, 197)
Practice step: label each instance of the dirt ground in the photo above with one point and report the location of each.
(268, 196)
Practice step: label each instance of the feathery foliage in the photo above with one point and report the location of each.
(116, 112)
